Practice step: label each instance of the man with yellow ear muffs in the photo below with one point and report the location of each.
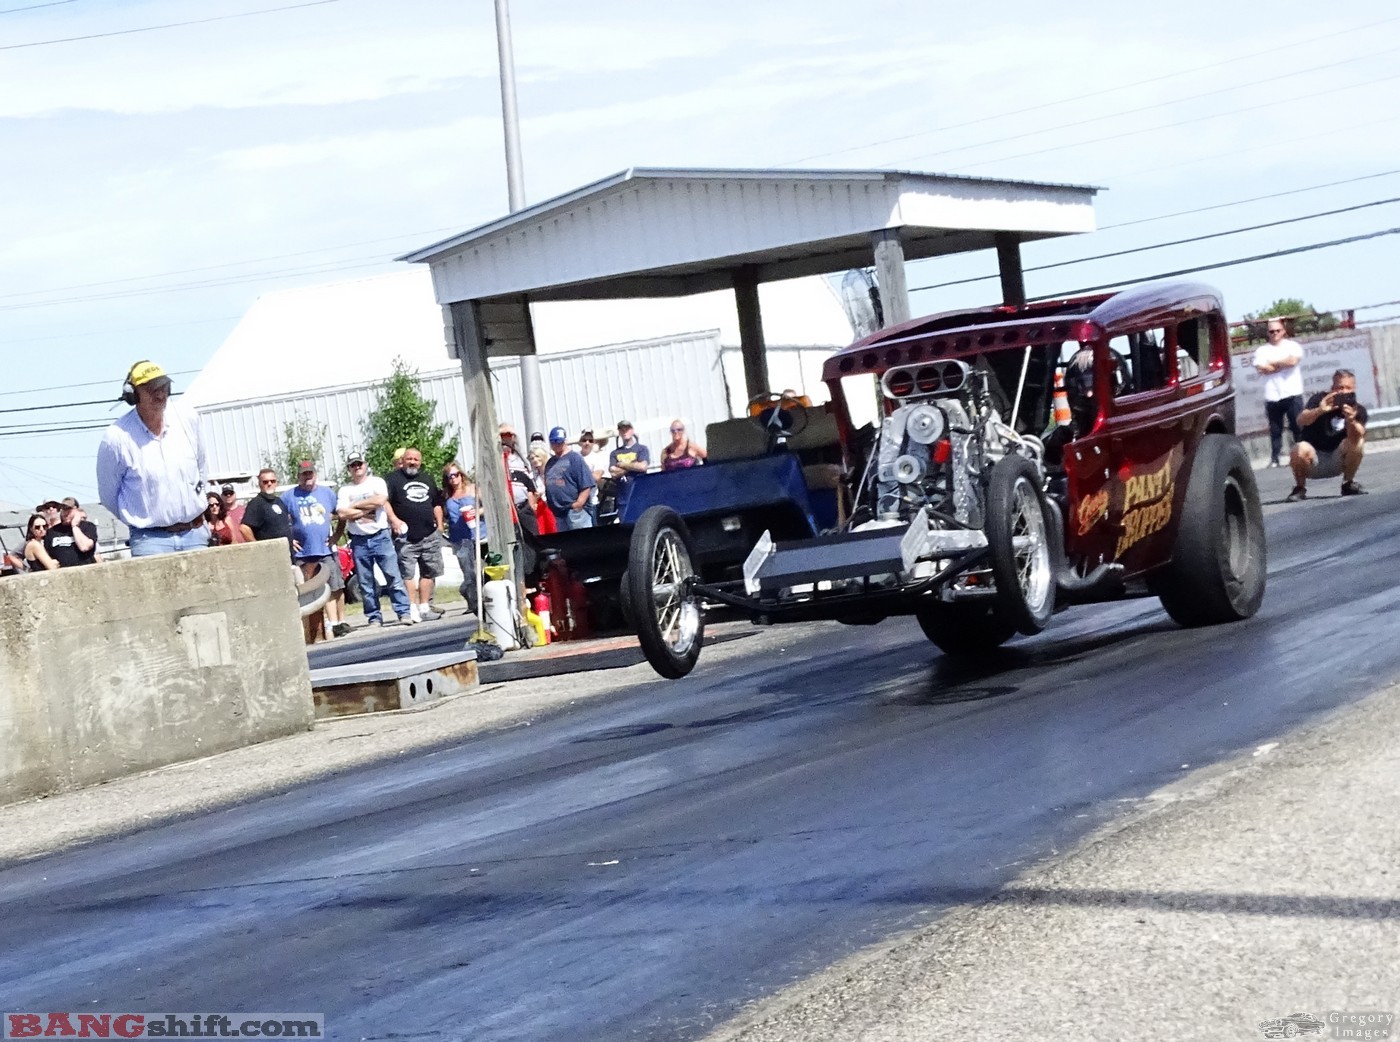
(150, 468)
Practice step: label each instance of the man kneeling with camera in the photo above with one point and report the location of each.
(1332, 438)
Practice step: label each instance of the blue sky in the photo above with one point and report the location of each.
(155, 182)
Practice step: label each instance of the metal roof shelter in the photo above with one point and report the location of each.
(673, 232)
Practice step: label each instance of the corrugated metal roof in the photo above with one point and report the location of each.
(607, 184)
(675, 232)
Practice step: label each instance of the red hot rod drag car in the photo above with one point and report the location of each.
(1016, 460)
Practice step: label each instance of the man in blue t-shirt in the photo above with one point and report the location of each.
(629, 459)
(568, 484)
(315, 531)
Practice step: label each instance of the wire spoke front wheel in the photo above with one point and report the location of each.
(668, 616)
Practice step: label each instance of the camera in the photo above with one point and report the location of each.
(1343, 398)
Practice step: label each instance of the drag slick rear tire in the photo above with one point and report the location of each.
(670, 620)
(1219, 564)
(1020, 539)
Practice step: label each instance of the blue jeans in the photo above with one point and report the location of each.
(569, 520)
(378, 549)
(1279, 412)
(147, 542)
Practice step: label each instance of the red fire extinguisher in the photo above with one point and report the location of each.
(541, 608)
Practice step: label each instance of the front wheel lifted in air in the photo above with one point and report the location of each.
(1021, 542)
(669, 617)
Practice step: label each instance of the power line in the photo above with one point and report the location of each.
(332, 267)
(88, 383)
(1161, 245)
(236, 280)
(167, 25)
(327, 268)
(109, 333)
(228, 264)
(1157, 105)
(45, 431)
(72, 405)
(1178, 123)
(58, 426)
(1221, 264)
(1310, 41)
(1251, 199)
(48, 479)
(35, 7)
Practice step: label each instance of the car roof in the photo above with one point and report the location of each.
(948, 333)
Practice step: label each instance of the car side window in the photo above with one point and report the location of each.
(1140, 362)
(1192, 348)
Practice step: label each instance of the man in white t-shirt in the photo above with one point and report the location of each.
(597, 461)
(360, 503)
(1280, 363)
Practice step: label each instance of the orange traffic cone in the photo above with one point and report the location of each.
(1062, 414)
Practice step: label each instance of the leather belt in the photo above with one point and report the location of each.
(180, 529)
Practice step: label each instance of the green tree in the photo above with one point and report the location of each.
(302, 438)
(401, 417)
(1303, 320)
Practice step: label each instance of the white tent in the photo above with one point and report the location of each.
(317, 353)
(345, 333)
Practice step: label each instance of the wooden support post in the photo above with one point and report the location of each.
(1013, 279)
(492, 493)
(751, 347)
(889, 275)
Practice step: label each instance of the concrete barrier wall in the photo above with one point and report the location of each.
(130, 665)
(1385, 347)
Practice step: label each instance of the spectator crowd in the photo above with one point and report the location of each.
(388, 533)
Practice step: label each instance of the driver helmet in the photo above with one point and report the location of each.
(1079, 388)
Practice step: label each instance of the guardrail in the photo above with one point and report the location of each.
(1387, 419)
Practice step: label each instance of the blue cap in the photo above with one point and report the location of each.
(557, 435)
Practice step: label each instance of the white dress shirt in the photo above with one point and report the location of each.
(149, 481)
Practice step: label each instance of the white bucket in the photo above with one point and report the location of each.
(498, 609)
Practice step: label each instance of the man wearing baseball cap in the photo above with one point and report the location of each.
(629, 459)
(315, 531)
(73, 541)
(568, 484)
(150, 468)
(360, 502)
(233, 511)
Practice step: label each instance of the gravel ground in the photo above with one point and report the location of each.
(1242, 893)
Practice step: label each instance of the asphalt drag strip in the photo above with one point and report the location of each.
(1244, 893)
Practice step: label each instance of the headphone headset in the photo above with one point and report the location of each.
(128, 391)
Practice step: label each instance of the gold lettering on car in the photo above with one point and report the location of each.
(1145, 488)
(1091, 510)
(1147, 505)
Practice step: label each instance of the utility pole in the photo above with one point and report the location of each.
(531, 386)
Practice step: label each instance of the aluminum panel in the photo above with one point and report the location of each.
(650, 222)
